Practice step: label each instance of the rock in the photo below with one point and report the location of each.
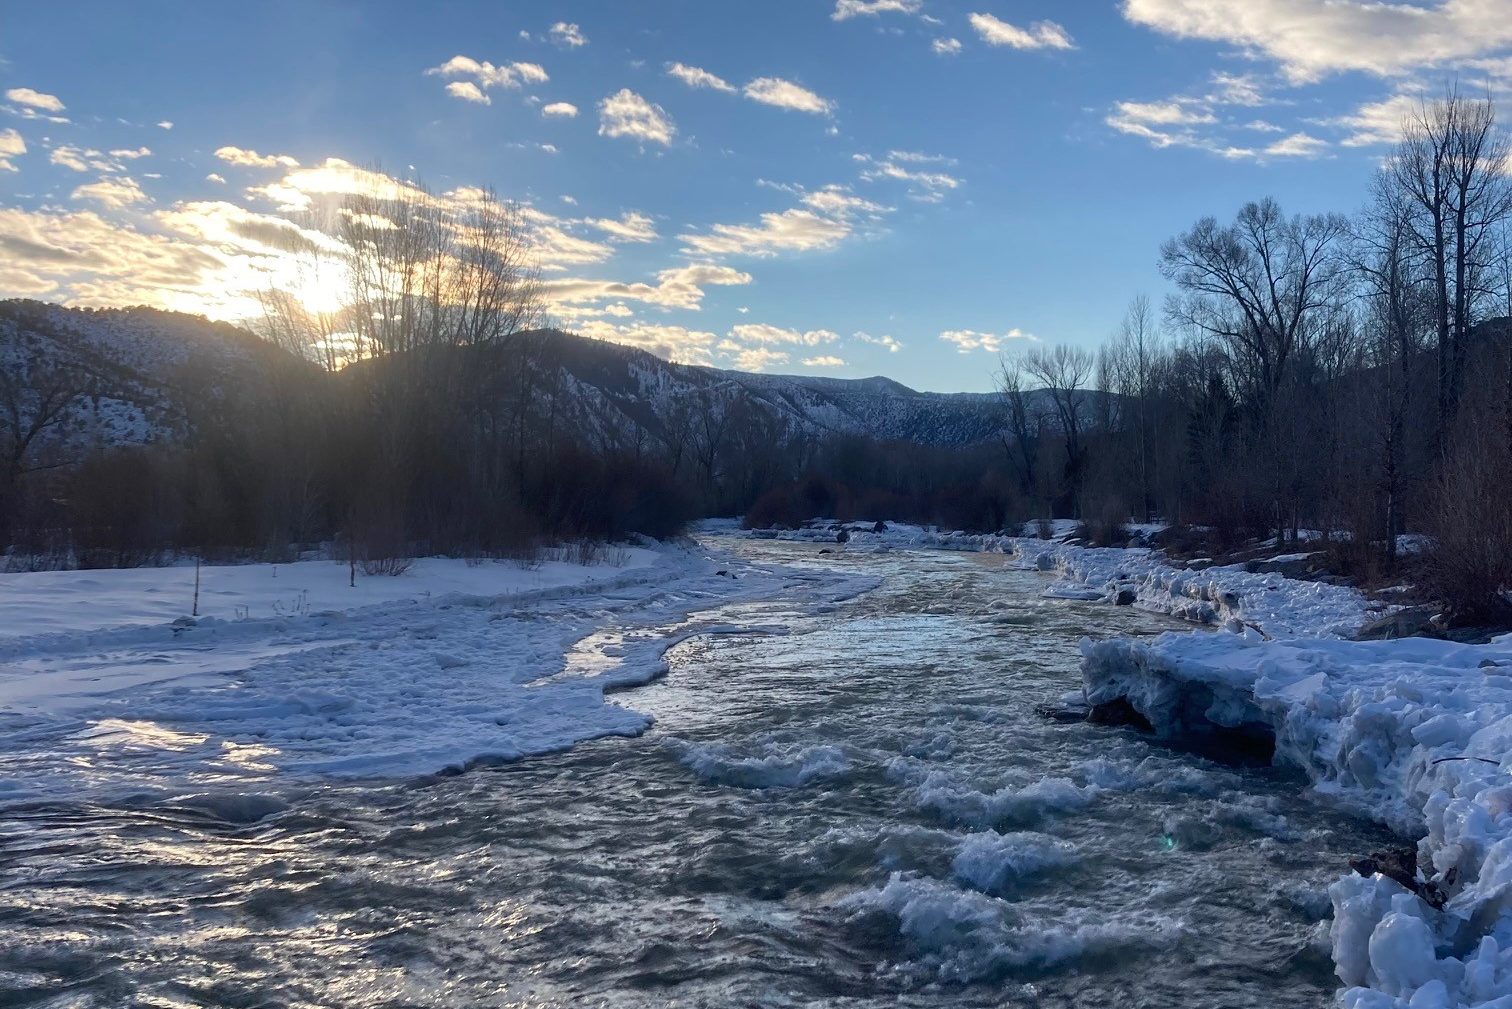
(1060, 714)
(1289, 566)
(1413, 622)
(843, 536)
(1125, 597)
(1119, 712)
(1400, 866)
(880, 527)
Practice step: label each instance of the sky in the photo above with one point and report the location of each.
(837, 187)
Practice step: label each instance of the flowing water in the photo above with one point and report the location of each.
(865, 810)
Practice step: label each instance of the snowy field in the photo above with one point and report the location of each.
(106, 683)
(1415, 733)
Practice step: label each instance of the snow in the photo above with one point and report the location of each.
(73, 602)
(1226, 596)
(1382, 727)
(437, 669)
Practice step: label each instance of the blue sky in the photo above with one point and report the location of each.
(844, 187)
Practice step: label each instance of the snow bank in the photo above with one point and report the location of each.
(1226, 596)
(44, 602)
(459, 665)
(1384, 727)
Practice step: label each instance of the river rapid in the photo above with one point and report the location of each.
(860, 806)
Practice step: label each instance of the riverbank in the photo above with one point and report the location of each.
(296, 675)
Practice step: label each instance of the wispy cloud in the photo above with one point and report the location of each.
(968, 340)
(12, 144)
(785, 94)
(559, 110)
(565, 33)
(698, 77)
(860, 8)
(476, 77)
(1039, 35)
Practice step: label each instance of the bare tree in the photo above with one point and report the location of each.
(1452, 168)
(1063, 372)
(1255, 285)
(1133, 361)
(1020, 438)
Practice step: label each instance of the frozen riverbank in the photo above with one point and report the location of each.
(443, 666)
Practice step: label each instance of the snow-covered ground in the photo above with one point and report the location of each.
(105, 684)
(1225, 596)
(1416, 733)
(75, 602)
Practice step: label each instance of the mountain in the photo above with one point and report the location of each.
(146, 367)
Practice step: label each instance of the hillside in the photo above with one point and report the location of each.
(147, 368)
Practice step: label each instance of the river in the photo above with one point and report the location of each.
(856, 807)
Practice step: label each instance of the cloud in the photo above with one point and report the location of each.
(468, 92)
(826, 217)
(131, 153)
(1262, 126)
(1168, 113)
(1310, 39)
(946, 47)
(35, 99)
(627, 114)
(680, 287)
(251, 159)
(1172, 124)
(630, 227)
(697, 77)
(212, 177)
(113, 192)
(823, 361)
(928, 186)
(968, 340)
(1039, 35)
(892, 345)
(785, 94)
(559, 110)
(1377, 123)
(1298, 145)
(675, 343)
(753, 358)
(857, 8)
(12, 144)
(761, 333)
(485, 76)
(567, 34)
(165, 124)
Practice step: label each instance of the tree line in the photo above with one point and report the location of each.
(1349, 375)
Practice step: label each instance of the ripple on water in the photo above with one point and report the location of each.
(865, 812)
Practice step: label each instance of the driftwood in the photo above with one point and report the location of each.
(1400, 866)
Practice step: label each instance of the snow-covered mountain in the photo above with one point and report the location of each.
(148, 368)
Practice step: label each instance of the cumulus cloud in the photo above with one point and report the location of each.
(887, 342)
(968, 340)
(753, 358)
(475, 77)
(858, 8)
(113, 192)
(1039, 35)
(35, 99)
(698, 77)
(630, 227)
(823, 361)
(1298, 145)
(565, 33)
(468, 92)
(761, 333)
(826, 217)
(680, 287)
(212, 177)
(627, 114)
(946, 47)
(251, 159)
(12, 144)
(1311, 39)
(559, 110)
(675, 343)
(784, 94)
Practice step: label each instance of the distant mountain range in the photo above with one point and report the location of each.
(146, 364)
